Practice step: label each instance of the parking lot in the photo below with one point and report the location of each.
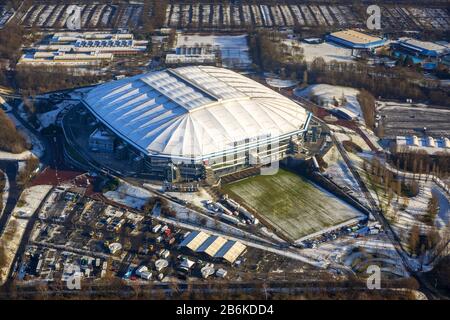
(399, 119)
(93, 16)
(208, 16)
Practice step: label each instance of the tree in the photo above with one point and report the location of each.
(432, 209)
(11, 140)
(367, 102)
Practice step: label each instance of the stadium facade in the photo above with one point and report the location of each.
(196, 122)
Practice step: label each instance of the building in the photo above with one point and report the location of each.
(427, 54)
(426, 144)
(198, 121)
(214, 247)
(422, 48)
(75, 48)
(355, 40)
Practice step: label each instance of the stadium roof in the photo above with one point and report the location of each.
(193, 112)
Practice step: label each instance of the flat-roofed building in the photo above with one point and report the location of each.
(212, 245)
(75, 48)
(194, 240)
(426, 144)
(355, 39)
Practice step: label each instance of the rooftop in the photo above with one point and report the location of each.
(427, 45)
(193, 111)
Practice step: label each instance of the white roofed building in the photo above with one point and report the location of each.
(198, 116)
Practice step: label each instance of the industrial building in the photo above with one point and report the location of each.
(74, 48)
(197, 122)
(355, 39)
(213, 246)
(426, 144)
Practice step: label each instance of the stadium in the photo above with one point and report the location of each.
(194, 122)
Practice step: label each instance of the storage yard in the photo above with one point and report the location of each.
(95, 16)
(293, 205)
(214, 16)
(235, 16)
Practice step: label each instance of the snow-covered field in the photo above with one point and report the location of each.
(327, 94)
(233, 49)
(50, 117)
(327, 51)
(129, 195)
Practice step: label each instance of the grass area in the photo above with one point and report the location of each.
(292, 204)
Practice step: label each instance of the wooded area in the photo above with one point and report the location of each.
(11, 140)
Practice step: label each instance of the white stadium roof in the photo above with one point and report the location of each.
(193, 112)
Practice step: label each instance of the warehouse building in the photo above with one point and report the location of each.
(355, 39)
(426, 144)
(197, 122)
(427, 54)
(214, 247)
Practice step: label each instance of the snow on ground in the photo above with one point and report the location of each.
(129, 195)
(358, 253)
(233, 49)
(443, 217)
(344, 134)
(5, 105)
(29, 202)
(339, 172)
(327, 51)
(50, 117)
(196, 198)
(280, 83)
(327, 94)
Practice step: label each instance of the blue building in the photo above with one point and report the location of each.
(427, 54)
(355, 39)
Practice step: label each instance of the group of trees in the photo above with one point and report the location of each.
(38, 79)
(420, 242)
(11, 39)
(420, 162)
(269, 54)
(367, 102)
(26, 173)
(11, 140)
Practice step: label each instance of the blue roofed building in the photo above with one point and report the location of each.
(426, 53)
(355, 40)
